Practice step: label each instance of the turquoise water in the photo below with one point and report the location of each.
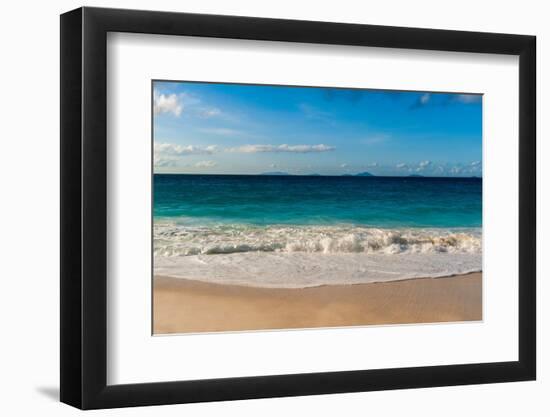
(383, 202)
(298, 231)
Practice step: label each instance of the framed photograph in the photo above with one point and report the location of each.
(259, 208)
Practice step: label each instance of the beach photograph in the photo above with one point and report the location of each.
(296, 207)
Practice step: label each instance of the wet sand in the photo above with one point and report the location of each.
(187, 306)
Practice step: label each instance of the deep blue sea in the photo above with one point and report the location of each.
(383, 202)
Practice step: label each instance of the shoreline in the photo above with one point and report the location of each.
(188, 306)
(300, 270)
(199, 281)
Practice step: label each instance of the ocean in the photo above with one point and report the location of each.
(298, 231)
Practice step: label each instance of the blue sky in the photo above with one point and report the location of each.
(250, 129)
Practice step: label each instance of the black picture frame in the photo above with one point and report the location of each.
(84, 208)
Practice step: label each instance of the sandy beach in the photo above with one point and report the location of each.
(187, 306)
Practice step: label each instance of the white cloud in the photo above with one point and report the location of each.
(474, 168)
(343, 165)
(222, 131)
(169, 155)
(171, 149)
(272, 165)
(173, 155)
(424, 164)
(422, 101)
(469, 98)
(165, 160)
(176, 103)
(282, 148)
(167, 103)
(401, 166)
(205, 164)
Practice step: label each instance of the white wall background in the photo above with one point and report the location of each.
(29, 230)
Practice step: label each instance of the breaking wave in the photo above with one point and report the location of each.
(172, 240)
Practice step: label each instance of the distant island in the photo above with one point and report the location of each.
(360, 174)
(280, 173)
(275, 173)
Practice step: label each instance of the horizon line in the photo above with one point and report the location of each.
(267, 174)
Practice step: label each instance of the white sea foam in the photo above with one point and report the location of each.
(301, 269)
(178, 240)
(303, 256)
